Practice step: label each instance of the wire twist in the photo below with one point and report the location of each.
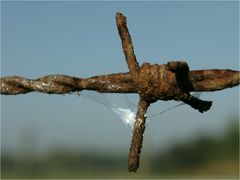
(57, 84)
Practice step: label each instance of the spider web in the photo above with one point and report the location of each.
(126, 110)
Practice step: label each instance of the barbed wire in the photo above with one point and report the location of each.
(171, 81)
(57, 84)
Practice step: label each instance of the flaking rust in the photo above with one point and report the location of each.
(153, 82)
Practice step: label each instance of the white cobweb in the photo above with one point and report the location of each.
(123, 107)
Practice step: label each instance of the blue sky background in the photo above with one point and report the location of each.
(81, 39)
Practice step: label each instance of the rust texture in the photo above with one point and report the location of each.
(126, 42)
(202, 80)
(214, 79)
(171, 81)
(137, 136)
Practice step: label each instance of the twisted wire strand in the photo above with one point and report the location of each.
(57, 84)
(202, 80)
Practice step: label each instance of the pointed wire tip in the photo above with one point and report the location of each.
(132, 168)
(118, 14)
(121, 19)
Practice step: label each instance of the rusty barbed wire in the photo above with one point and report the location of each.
(57, 84)
(171, 81)
(202, 80)
(62, 84)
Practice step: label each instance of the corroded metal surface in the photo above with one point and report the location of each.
(214, 79)
(137, 137)
(153, 81)
(57, 84)
(171, 81)
(127, 45)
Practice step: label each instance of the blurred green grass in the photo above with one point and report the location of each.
(205, 157)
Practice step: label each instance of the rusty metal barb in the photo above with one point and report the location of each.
(171, 81)
(127, 45)
(137, 137)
